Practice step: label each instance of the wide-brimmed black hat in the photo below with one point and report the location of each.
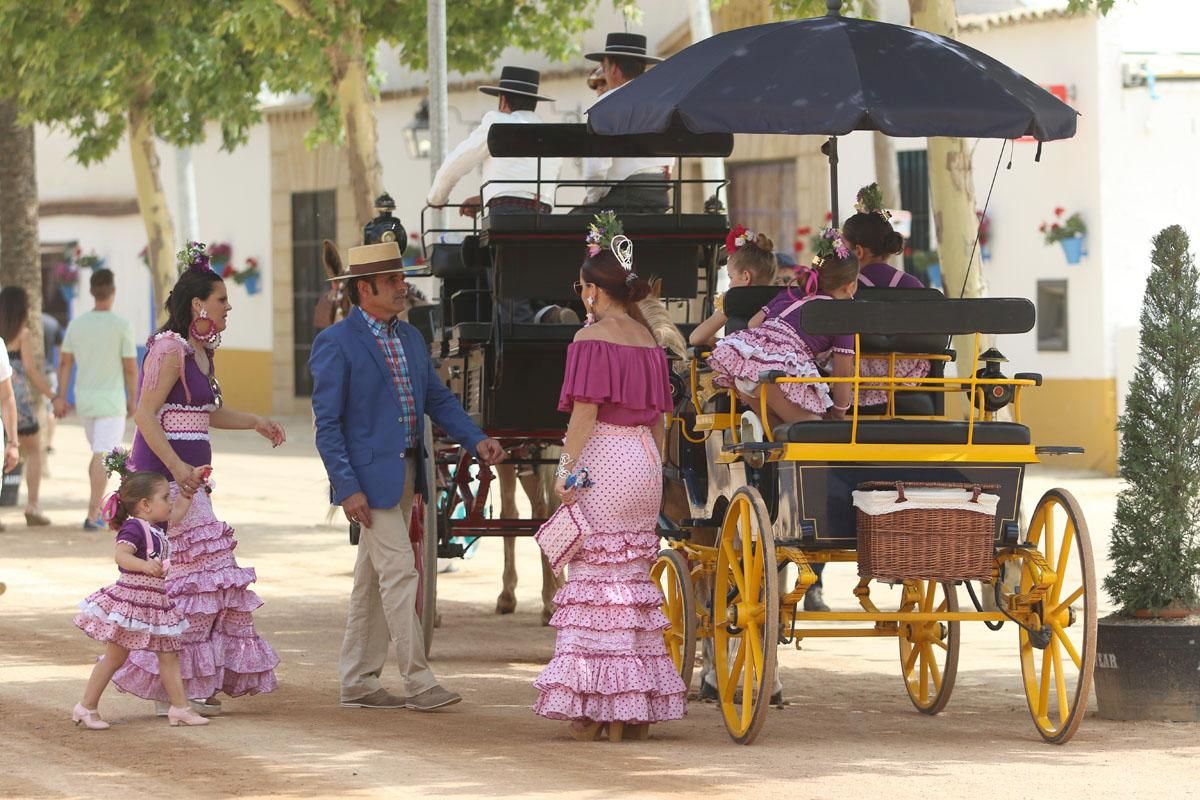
(627, 45)
(517, 80)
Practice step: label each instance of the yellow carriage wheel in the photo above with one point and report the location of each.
(745, 615)
(1057, 662)
(674, 578)
(929, 650)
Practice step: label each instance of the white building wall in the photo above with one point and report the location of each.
(1054, 52)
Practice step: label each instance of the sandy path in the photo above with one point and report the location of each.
(849, 731)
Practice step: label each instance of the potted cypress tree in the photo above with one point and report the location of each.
(1148, 654)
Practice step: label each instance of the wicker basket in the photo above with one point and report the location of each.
(925, 531)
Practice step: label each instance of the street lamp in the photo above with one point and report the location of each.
(417, 134)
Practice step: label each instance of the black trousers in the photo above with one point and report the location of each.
(645, 193)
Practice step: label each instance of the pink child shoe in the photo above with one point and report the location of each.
(184, 716)
(89, 719)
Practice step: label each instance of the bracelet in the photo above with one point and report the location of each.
(836, 407)
(563, 461)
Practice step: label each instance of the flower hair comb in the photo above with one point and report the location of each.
(606, 231)
(831, 243)
(870, 201)
(738, 237)
(116, 461)
(193, 257)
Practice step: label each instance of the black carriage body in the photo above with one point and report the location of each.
(824, 511)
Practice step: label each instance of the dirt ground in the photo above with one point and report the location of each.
(849, 730)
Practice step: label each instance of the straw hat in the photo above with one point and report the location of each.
(374, 259)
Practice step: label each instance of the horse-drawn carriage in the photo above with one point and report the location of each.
(835, 491)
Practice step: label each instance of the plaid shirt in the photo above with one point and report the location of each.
(387, 335)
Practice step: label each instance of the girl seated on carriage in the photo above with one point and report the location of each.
(873, 239)
(751, 263)
(774, 340)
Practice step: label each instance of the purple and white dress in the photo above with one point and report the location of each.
(779, 344)
(135, 612)
(610, 659)
(886, 276)
(221, 652)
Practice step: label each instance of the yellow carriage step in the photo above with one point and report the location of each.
(714, 422)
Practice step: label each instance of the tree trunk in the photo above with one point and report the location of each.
(20, 250)
(952, 187)
(358, 117)
(152, 202)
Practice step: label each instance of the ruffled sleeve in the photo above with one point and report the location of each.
(131, 533)
(608, 374)
(163, 347)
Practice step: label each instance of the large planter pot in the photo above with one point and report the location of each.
(1148, 669)
(1074, 248)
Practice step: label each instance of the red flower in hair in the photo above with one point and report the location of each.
(735, 233)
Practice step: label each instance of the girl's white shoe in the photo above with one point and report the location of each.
(750, 428)
(89, 719)
(183, 715)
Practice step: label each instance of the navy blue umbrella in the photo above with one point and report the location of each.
(831, 75)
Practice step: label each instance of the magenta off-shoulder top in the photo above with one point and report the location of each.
(628, 383)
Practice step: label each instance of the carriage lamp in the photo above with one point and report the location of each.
(997, 396)
(385, 227)
(417, 134)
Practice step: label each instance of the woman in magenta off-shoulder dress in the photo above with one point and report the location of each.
(610, 669)
(178, 400)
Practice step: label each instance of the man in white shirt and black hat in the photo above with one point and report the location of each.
(518, 93)
(643, 180)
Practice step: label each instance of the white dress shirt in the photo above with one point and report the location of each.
(618, 169)
(474, 151)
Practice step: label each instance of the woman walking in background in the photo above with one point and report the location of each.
(178, 400)
(28, 377)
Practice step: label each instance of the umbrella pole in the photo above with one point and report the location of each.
(831, 151)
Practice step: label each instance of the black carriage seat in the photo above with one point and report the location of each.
(901, 431)
(531, 223)
(743, 302)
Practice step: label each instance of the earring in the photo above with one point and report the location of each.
(591, 317)
(205, 330)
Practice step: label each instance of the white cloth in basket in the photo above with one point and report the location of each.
(879, 502)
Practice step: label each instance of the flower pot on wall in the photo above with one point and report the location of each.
(1074, 248)
(1148, 670)
(252, 283)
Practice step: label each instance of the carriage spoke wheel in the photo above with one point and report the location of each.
(929, 650)
(674, 579)
(1057, 667)
(745, 615)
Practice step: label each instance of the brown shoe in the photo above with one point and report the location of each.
(380, 698)
(431, 699)
(36, 519)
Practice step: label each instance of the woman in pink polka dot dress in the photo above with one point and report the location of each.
(610, 670)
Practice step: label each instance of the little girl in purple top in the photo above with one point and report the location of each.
(135, 613)
(774, 340)
(179, 399)
(873, 240)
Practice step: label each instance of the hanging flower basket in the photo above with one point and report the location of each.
(219, 254)
(1070, 232)
(249, 277)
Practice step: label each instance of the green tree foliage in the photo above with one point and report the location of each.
(84, 64)
(305, 39)
(1155, 545)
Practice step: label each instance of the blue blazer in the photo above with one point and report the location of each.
(360, 434)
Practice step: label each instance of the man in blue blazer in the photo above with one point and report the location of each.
(373, 384)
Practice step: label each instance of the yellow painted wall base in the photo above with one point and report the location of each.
(1069, 411)
(245, 377)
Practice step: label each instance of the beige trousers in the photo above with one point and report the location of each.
(383, 605)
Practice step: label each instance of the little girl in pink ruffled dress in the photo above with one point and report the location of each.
(135, 613)
(774, 340)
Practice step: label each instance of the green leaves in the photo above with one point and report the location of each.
(1155, 545)
(83, 64)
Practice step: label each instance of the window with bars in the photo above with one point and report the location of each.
(314, 218)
